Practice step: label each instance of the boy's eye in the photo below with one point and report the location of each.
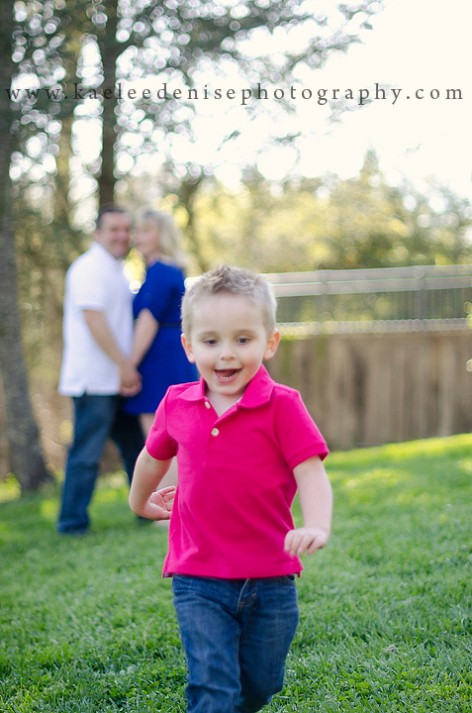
(243, 340)
(209, 342)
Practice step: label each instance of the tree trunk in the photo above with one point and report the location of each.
(110, 50)
(25, 453)
(187, 193)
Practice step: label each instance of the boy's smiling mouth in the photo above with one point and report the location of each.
(226, 374)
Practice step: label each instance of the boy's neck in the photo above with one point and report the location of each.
(222, 403)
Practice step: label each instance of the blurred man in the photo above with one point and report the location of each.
(96, 369)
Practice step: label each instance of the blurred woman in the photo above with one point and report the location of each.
(157, 349)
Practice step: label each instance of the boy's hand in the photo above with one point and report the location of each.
(305, 539)
(159, 505)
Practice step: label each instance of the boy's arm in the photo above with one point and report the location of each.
(143, 499)
(316, 500)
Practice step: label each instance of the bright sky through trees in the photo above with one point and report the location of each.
(415, 44)
(417, 57)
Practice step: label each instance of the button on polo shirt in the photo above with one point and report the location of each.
(236, 485)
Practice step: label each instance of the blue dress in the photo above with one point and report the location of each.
(165, 363)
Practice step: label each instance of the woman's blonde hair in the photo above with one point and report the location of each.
(170, 236)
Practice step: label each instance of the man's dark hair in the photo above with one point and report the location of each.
(108, 208)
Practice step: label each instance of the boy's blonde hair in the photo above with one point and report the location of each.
(170, 237)
(233, 281)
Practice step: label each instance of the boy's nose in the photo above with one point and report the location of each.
(226, 352)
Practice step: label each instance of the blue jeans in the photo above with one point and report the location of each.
(96, 418)
(236, 636)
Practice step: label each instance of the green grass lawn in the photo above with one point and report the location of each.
(86, 624)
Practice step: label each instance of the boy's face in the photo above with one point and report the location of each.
(228, 341)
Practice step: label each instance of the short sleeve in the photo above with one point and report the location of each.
(297, 433)
(159, 443)
(161, 288)
(88, 287)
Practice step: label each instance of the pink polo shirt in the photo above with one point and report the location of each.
(236, 486)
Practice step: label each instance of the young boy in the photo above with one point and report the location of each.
(244, 444)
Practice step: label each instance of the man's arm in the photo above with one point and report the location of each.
(316, 500)
(130, 381)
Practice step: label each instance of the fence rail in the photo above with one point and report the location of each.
(385, 279)
(427, 293)
(306, 329)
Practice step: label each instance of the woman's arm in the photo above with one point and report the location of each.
(145, 330)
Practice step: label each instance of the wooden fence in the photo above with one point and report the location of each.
(362, 389)
(372, 388)
(395, 369)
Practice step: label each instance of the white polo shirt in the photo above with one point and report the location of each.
(96, 281)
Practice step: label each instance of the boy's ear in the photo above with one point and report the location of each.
(272, 345)
(187, 345)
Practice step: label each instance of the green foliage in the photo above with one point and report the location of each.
(88, 625)
(332, 223)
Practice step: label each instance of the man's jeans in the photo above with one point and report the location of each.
(236, 635)
(96, 418)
